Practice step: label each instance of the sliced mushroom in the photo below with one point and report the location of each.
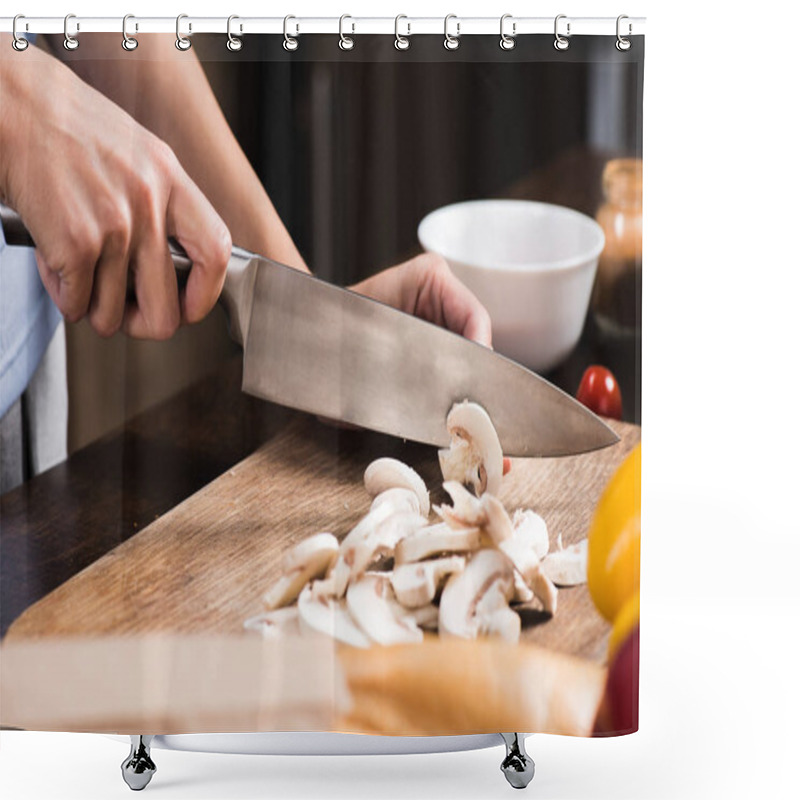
(389, 473)
(400, 500)
(522, 592)
(544, 589)
(472, 596)
(416, 584)
(371, 603)
(466, 511)
(434, 540)
(352, 543)
(504, 623)
(494, 615)
(526, 562)
(381, 541)
(427, 617)
(274, 624)
(327, 614)
(307, 560)
(567, 567)
(532, 529)
(498, 523)
(475, 456)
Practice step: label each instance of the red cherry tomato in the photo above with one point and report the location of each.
(599, 392)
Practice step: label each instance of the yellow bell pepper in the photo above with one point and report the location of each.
(615, 539)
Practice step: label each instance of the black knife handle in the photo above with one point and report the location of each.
(17, 235)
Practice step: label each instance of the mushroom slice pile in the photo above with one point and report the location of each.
(473, 601)
(426, 617)
(417, 584)
(327, 614)
(529, 527)
(527, 564)
(567, 567)
(498, 523)
(398, 499)
(434, 540)
(274, 624)
(371, 603)
(382, 541)
(307, 560)
(389, 473)
(352, 543)
(496, 616)
(466, 511)
(475, 457)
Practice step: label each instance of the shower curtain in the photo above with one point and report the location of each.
(207, 560)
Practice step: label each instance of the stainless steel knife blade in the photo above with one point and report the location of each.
(332, 352)
(326, 350)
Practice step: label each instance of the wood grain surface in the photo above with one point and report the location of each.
(202, 567)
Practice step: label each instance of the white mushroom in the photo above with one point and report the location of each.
(381, 541)
(498, 523)
(529, 527)
(307, 560)
(475, 456)
(416, 584)
(327, 614)
(274, 624)
(526, 562)
(522, 592)
(567, 567)
(471, 597)
(389, 473)
(497, 619)
(466, 511)
(544, 589)
(351, 544)
(372, 605)
(434, 540)
(427, 617)
(400, 500)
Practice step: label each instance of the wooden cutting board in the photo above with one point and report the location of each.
(202, 568)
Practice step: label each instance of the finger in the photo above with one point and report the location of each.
(478, 326)
(156, 311)
(107, 306)
(443, 299)
(192, 220)
(70, 287)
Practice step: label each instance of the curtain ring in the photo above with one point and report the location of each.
(70, 42)
(234, 44)
(19, 43)
(623, 44)
(289, 42)
(561, 42)
(182, 42)
(346, 42)
(507, 42)
(401, 42)
(128, 42)
(451, 42)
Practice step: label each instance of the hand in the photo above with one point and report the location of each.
(427, 288)
(100, 195)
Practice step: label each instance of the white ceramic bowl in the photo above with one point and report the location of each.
(531, 264)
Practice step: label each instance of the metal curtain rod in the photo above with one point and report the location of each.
(458, 26)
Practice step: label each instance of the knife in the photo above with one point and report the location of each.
(329, 351)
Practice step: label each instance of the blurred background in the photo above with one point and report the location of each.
(355, 149)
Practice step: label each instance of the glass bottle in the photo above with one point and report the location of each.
(617, 296)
